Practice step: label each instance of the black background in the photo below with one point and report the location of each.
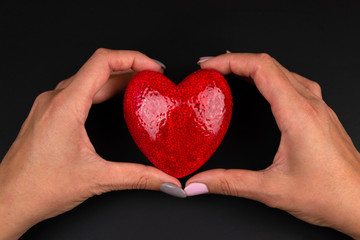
(42, 44)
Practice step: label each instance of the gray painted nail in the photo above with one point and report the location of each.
(160, 63)
(172, 190)
(204, 59)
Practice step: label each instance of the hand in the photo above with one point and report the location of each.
(315, 174)
(52, 166)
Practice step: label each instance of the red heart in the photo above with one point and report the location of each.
(178, 127)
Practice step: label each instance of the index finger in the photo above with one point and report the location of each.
(268, 78)
(96, 71)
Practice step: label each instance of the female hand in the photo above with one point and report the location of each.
(315, 174)
(52, 165)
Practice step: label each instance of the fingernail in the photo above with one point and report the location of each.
(160, 63)
(227, 51)
(122, 72)
(172, 190)
(204, 59)
(196, 189)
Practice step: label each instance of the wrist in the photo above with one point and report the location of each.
(351, 227)
(15, 220)
(347, 219)
(11, 225)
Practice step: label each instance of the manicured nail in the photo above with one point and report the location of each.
(163, 67)
(204, 59)
(227, 51)
(196, 189)
(172, 190)
(122, 72)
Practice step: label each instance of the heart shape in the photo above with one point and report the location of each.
(178, 127)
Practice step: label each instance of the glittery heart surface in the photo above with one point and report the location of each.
(178, 127)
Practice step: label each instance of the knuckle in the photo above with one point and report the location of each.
(141, 183)
(265, 61)
(47, 106)
(60, 84)
(227, 186)
(101, 52)
(43, 97)
(265, 57)
(332, 112)
(137, 52)
(314, 86)
(143, 179)
(57, 100)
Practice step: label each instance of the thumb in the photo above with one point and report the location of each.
(121, 176)
(240, 183)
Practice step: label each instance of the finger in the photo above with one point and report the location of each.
(115, 84)
(272, 83)
(66, 82)
(269, 79)
(121, 176)
(240, 183)
(97, 70)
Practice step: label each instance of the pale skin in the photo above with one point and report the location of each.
(52, 166)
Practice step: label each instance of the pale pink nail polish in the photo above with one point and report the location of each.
(196, 189)
(204, 59)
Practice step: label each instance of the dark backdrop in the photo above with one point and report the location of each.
(41, 44)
